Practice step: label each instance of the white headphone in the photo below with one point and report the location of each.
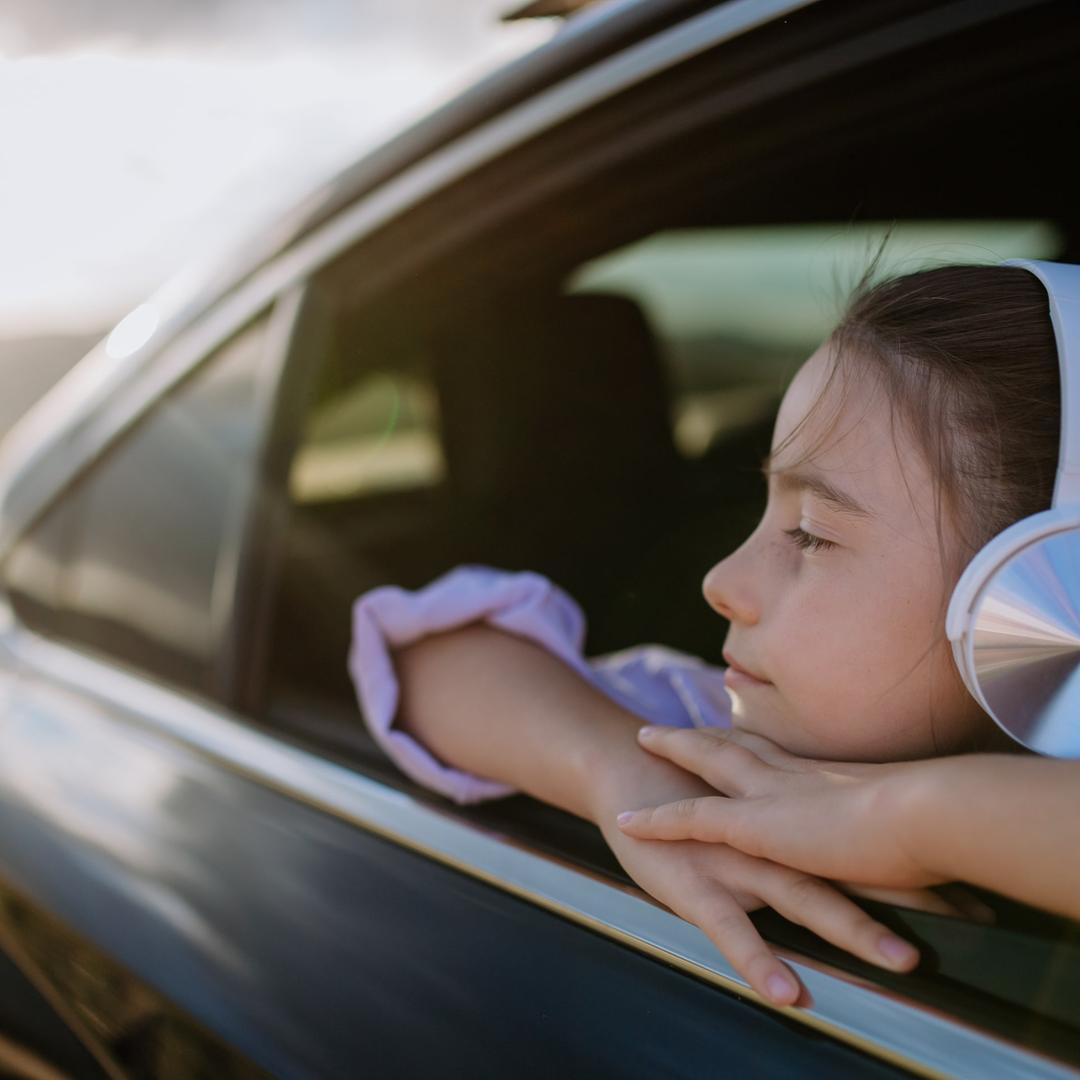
(1014, 617)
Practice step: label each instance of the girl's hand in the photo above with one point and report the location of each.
(1006, 822)
(839, 820)
(714, 886)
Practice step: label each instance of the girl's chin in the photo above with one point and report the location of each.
(754, 722)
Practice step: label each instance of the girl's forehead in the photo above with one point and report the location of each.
(844, 426)
(817, 413)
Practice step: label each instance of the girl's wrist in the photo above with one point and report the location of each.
(912, 807)
(607, 769)
(623, 776)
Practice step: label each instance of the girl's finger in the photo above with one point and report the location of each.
(719, 760)
(817, 905)
(766, 750)
(714, 911)
(709, 818)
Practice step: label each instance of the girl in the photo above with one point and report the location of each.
(924, 425)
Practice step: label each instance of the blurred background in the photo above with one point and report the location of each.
(138, 134)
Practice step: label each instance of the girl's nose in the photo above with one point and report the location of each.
(729, 590)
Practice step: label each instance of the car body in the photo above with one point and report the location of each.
(545, 328)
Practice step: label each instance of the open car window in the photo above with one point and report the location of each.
(642, 281)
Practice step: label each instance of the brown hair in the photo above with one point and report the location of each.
(967, 357)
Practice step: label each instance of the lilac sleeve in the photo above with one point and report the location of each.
(658, 684)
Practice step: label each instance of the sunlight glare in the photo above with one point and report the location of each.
(133, 332)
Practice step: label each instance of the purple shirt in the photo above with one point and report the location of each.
(658, 684)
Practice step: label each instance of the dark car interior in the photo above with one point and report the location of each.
(551, 444)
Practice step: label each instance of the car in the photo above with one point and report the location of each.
(545, 328)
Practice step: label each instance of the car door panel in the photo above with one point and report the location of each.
(312, 948)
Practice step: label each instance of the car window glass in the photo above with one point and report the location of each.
(129, 561)
(736, 310)
(377, 435)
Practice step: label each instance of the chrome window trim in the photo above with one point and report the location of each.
(853, 1010)
(102, 396)
(236, 534)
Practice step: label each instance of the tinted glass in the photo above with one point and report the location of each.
(379, 435)
(131, 561)
(735, 311)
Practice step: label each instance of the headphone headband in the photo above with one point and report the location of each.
(1062, 283)
(1014, 616)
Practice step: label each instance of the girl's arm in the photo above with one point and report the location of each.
(1007, 823)
(499, 706)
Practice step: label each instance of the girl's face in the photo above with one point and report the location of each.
(837, 599)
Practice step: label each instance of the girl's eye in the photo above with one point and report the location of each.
(808, 541)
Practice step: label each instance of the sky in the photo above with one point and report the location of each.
(137, 134)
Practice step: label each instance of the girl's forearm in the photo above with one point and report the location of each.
(501, 707)
(1007, 823)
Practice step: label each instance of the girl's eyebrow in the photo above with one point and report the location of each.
(807, 480)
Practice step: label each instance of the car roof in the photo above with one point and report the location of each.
(581, 40)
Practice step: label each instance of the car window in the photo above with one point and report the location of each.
(585, 385)
(128, 562)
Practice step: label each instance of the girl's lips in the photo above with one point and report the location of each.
(737, 676)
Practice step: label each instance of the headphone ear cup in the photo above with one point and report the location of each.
(1019, 650)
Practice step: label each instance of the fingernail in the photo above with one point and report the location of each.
(625, 816)
(781, 988)
(646, 732)
(897, 951)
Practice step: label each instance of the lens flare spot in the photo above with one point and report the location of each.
(133, 332)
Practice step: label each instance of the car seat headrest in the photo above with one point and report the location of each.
(564, 394)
